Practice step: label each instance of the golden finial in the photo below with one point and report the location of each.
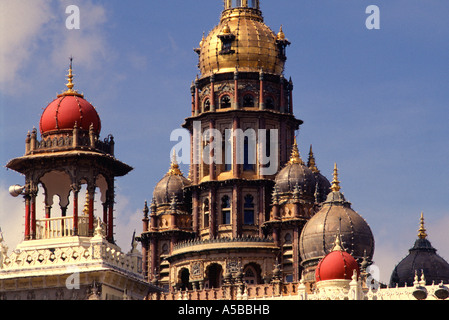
(202, 40)
(281, 34)
(174, 167)
(422, 231)
(226, 29)
(311, 163)
(86, 204)
(338, 246)
(295, 157)
(335, 183)
(70, 84)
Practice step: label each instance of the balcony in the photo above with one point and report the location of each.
(52, 228)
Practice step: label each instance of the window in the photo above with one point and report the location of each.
(248, 212)
(253, 4)
(248, 101)
(247, 159)
(269, 103)
(225, 102)
(206, 105)
(225, 210)
(250, 276)
(227, 151)
(206, 213)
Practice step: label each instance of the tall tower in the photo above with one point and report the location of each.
(235, 216)
(68, 251)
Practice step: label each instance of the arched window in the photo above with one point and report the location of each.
(206, 105)
(206, 211)
(248, 156)
(225, 102)
(227, 151)
(269, 103)
(248, 101)
(225, 210)
(248, 212)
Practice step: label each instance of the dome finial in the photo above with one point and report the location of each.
(335, 183)
(174, 167)
(295, 157)
(422, 231)
(311, 163)
(70, 84)
(281, 34)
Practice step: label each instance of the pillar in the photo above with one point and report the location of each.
(91, 193)
(76, 190)
(212, 172)
(236, 89)
(27, 216)
(212, 93)
(196, 213)
(212, 213)
(261, 91)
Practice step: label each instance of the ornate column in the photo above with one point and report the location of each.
(282, 102)
(236, 89)
(212, 213)
(261, 91)
(212, 93)
(197, 102)
(76, 189)
(91, 195)
(33, 195)
(110, 217)
(212, 152)
(196, 213)
(27, 216)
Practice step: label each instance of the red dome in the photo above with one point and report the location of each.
(62, 114)
(336, 265)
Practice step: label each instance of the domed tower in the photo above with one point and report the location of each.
(170, 222)
(69, 155)
(242, 130)
(70, 252)
(335, 217)
(422, 258)
(294, 201)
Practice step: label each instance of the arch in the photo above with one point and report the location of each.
(248, 210)
(249, 100)
(206, 105)
(252, 273)
(225, 210)
(225, 101)
(184, 279)
(206, 212)
(214, 275)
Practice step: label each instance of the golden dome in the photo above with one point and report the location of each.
(241, 40)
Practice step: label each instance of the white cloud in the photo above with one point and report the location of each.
(34, 36)
(21, 23)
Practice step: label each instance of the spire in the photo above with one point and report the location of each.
(295, 157)
(174, 167)
(422, 231)
(335, 183)
(338, 246)
(70, 84)
(311, 162)
(281, 34)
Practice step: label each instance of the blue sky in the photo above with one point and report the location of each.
(374, 101)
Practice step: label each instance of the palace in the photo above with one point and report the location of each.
(227, 230)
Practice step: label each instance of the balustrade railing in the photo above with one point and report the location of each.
(60, 227)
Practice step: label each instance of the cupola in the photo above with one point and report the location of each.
(69, 110)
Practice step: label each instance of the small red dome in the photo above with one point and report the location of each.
(66, 110)
(336, 265)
